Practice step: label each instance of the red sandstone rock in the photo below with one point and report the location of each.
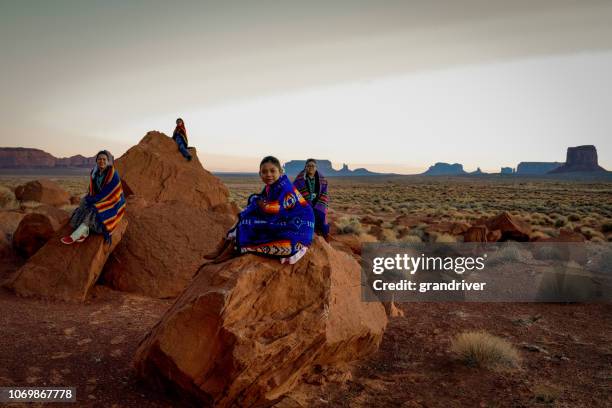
(164, 247)
(494, 236)
(510, 227)
(247, 331)
(155, 170)
(65, 272)
(43, 191)
(177, 211)
(477, 233)
(33, 232)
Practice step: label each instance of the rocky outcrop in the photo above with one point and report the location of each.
(445, 169)
(245, 332)
(155, 171)
(164, 247)
(580, 159)
(33, 232)
(510, 227)
(43, 191)
(177, 211)
(21, 157)
(9, 221)
(536, 168)
(293, 167)
(65, 272)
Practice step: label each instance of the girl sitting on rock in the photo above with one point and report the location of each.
(278, 222)
(104, 205)
(180, 137)
(313, 187)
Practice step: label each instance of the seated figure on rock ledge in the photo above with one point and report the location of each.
(104, 205)
(278, 222)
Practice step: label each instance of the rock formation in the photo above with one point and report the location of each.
(445, 169)
(43, 191)
(33, 232)
(293, 167)
(65, 272)
(536, 168)
(580, 159)
(245, 332)
(177, 211)
(24, 158)
(507, 170)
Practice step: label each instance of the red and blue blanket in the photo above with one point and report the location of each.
(108, 201)
(277, 222)
(320, 200)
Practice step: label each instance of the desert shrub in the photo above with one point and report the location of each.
(606, 227)
(546, 393)
(349, 226)
(574, 217)
(7, 199)
(445, 238)
(508, 253)
(363, 238)
(479, 348)
(560, 222)
(411, 239)
(388, 236)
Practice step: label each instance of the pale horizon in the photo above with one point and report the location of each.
(394, 89)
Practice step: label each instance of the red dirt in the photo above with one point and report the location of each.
(90, 346)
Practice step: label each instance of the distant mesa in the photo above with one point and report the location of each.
(26, 158)
(507, 170)
(580, 159)
(445, 169)
(536, 168)
(293, 167)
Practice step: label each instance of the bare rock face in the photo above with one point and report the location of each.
(43, 191)
(155, 171)
(33, 232)
(247, 331)
(579, 159)
(477, 233)
(17, 157)
(65, 272)
(177, 211)
(164, 247)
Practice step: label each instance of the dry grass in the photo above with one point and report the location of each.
(479, 348)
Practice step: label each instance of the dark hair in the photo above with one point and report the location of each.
(109, 157)
(311, 161)
(181, 119)
(273, 160)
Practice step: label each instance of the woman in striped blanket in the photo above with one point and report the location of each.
(277, 223)
(104, 205)
(313, 187)
(180, 137)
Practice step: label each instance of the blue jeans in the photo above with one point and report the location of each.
(182, 148)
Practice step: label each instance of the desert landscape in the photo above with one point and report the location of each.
(104, 333)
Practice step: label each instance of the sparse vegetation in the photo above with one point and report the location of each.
(479, 348)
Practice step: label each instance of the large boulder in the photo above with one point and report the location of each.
(510, 227)
(33, 232)
(245, 332)
(43, 191)
(155, 171)
(65, 272)
(177, 211)
(164, 247)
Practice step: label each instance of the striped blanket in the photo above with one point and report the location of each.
(319, 202)
(279, 226)
(108, 201)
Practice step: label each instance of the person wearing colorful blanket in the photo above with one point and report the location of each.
(104, 205)
(313, 187)
(180, 137)
(277, 223)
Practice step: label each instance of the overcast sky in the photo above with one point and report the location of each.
(390, 85)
